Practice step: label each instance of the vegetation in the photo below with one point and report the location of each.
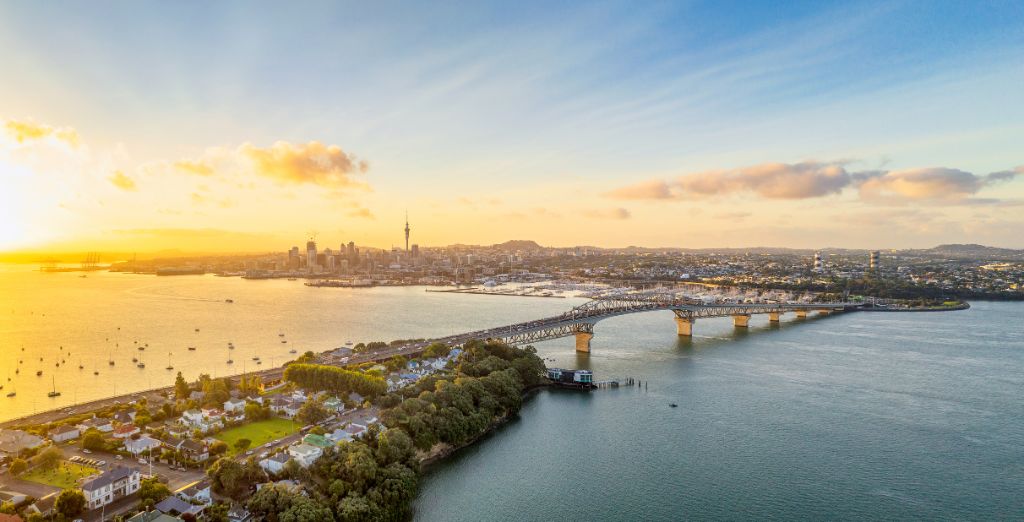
(69, 504)
(336, 380)
(65, 475)
(18, 466)
(235, 479)
(151, 491)
(312, 412)
(93, 440)
(259, 433)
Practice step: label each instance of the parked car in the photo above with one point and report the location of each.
(143, 461)
(86, 451)
(118, 457)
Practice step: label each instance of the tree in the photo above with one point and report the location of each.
(93, 440)
(394, 445)
(255, 412)
(242, 444)
(312, 412)
(18, 466)
(49, 458)
(217, 512)
(70, 503)
(151, 491)
(304, 509)
(270, 501)
(218, 448)
(181, 388)
(235, 479)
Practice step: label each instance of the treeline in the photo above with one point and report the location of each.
(332, 379)
(455, 411)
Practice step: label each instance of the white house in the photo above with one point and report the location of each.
(305, 454)
(101, 424)
(65, 433)
(13, 441)
(197, 493)
(141, 445)
(234, 406)
(110, 486)
(275, 463)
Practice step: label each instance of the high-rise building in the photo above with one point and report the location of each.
(415, 251)
(873, 259)
(310, 255)
(818, 266)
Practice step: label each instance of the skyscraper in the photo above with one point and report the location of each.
(873, 260)
(310, 255)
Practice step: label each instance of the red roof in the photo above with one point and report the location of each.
(9, 518)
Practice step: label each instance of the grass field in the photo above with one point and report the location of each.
(259, 433)
(64, 476)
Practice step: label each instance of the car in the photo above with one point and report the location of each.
(101, 463)
(248, 453)
(143, 461)
(118, 457)
(86, 451)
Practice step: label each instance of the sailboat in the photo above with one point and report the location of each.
(169, 367)
(54, 393)
(12, 393)
(230, 360)
(141, 364)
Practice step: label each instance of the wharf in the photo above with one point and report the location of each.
(485, 292)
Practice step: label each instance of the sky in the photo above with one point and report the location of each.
(251, 126)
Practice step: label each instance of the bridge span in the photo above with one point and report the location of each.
(580, 321)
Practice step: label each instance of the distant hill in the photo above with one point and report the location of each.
(973, 251)
(517, 244)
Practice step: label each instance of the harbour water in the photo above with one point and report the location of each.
(87, 316)
(880, 416)
(862, 415)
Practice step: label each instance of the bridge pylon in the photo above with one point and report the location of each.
(773, 317)
(741, 320)
(583, 341)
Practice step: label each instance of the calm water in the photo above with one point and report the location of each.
(858, 416)
(41, 312)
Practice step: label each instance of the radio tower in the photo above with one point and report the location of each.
(407, 232)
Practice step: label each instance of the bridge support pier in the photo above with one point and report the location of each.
(741, 320)
(773, 317)
(583, 341)
(825, 311)
(801, 314)
(684, 326)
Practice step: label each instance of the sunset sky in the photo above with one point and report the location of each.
(141, 126)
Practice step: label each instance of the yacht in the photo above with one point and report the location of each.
(38, 373)
(191, 348)
(12, 394)
(54, 393)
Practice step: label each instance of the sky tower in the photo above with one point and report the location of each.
(407, 232)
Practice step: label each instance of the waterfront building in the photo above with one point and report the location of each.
(13, 441)
(110, 486)
(64, 433)
(574, 378)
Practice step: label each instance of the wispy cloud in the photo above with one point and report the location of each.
(610, 213)
(121, 181)
(813, 179)
(25, 130)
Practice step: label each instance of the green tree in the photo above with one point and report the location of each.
(49, 458)
(93, 440)
(255, 412)
(218, 448)
(271, 501)
(151, 491)
(18, 466)
(242, 444)
(216, 512)
(70, 503)
(304, 509)
(394, 445)
(312, 412)
(181, 388)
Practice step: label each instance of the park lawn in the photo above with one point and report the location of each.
(260, 432)
(64, 476)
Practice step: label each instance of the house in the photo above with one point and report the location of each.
(291, 409)
(110, 486)
(124, 417)
(317, 440)
(4, 517)
(65, 433)
(334, 404)
(42, 507)
(239, 514)
(353, 430)
(275, 463)
(125, 430)
(171, 442)
(175, 506)
(13, 441)
(153, 516)
(305, 454)
(195, 450)
(13, 498)
(356, 398)
(141, 445)
(234, 406)
(199, 492)
(197, 396)
(337, 436)
(96, 423)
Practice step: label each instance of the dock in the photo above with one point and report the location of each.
(486, 292)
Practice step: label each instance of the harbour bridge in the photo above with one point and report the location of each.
(580, 321)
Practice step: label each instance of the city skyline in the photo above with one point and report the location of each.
(871, 126)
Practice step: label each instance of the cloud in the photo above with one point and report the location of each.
(813, 179)
(654, 189)
(612, 213)
(807, 179)
(194, 167)
(937, 184)
(360, 212)
(312, 163)
(23, 131)
(121, 181)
